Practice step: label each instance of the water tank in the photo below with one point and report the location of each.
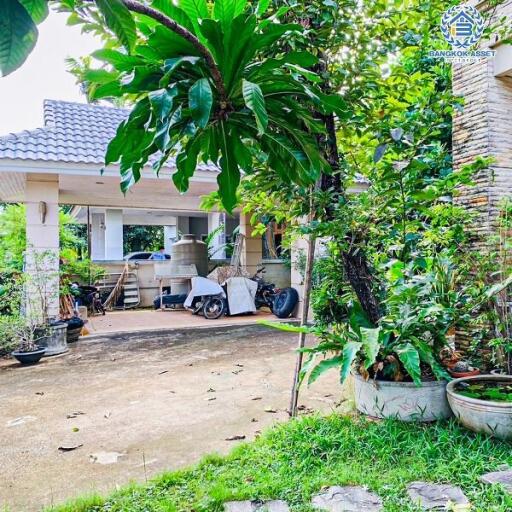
(188, 251)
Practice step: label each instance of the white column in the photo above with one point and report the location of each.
(113, 234)
(251, 255)
(42, 251)
(170, 236)
(216, 219)
(98, 236)
(182, 226)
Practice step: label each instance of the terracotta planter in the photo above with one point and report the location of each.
(460, 375)
(492, 418)
(402, 400)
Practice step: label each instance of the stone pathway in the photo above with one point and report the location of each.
(347, 499)
(503, 477)
(435, 496)
(351, 498)
(256, 506)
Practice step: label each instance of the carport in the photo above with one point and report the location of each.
(61, 163)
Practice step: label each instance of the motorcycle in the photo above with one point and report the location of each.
(281, 301)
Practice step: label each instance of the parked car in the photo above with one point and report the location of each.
(141, 256)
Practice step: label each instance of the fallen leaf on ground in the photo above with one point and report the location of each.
(211, 390)
(40, 393)
(235, 438)
(107, 415)
(74, 414)
(165, 371)
(254, 420)
(69, 448)
(270, 409)
(239, 365)
(211, 398)
(256, 398)
(75, 429)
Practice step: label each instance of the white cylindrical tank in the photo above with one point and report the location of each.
(188, 251)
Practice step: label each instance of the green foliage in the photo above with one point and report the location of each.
(231, 109)
(293, 461)
(18, 31)
(142, 238)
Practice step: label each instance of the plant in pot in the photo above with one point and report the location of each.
(396, 365)
(40, 299)
(29, 336)
(483, 403)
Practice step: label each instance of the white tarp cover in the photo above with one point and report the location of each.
(203, 286)
(241, 295)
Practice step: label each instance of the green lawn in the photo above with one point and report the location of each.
(294, 460)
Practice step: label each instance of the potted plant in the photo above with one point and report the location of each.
(397, 365)
(28, 335)
(483, 403)
(39, 301)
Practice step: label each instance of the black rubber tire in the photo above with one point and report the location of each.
(214, 307)
(285, 302)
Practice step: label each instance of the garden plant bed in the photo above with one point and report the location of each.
(294, 461)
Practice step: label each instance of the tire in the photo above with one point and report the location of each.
(285, 302)
(214, 307)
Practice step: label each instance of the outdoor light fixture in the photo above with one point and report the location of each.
(43, 208)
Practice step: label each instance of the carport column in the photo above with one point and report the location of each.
(170, 236)
(42, 250)
(182, 226)
(215, 220)
(97, 236)
(253, 247)
(113, 234)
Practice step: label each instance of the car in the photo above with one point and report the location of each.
(141, 256)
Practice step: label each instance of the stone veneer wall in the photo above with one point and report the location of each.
(483, 128)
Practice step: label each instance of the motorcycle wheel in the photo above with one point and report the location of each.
(214, 307)
(285, 302)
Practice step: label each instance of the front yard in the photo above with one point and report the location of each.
(293, 461)
(137, 405)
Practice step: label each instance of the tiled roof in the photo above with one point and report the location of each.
(73, 132)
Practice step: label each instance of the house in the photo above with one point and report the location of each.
(60, 164)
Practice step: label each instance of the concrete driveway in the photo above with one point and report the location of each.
(117, 409)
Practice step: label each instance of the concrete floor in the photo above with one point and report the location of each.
(136, 405)
(134, 320)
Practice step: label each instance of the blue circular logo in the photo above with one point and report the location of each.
(462, 26)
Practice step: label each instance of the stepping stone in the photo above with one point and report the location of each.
(499, 477)
(256, 506)
(436, 496)
(347, 499)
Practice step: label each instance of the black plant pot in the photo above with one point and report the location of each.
(29, 357)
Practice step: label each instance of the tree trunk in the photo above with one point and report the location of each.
(354, 261)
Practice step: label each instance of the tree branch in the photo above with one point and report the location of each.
(135, 6)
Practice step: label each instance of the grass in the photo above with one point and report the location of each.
(294, 460)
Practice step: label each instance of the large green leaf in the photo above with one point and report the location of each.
(371, 344)
(410, 358)
(119, 19)
(226, 10)
(255, 101)
(38, 9)
(121, 61)
(18, 35)
(174, 12)
(350, 351)
(196, 10)
(426, 355)
(229, 177)
(323, 366)
(186, 163)
(200, 100)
